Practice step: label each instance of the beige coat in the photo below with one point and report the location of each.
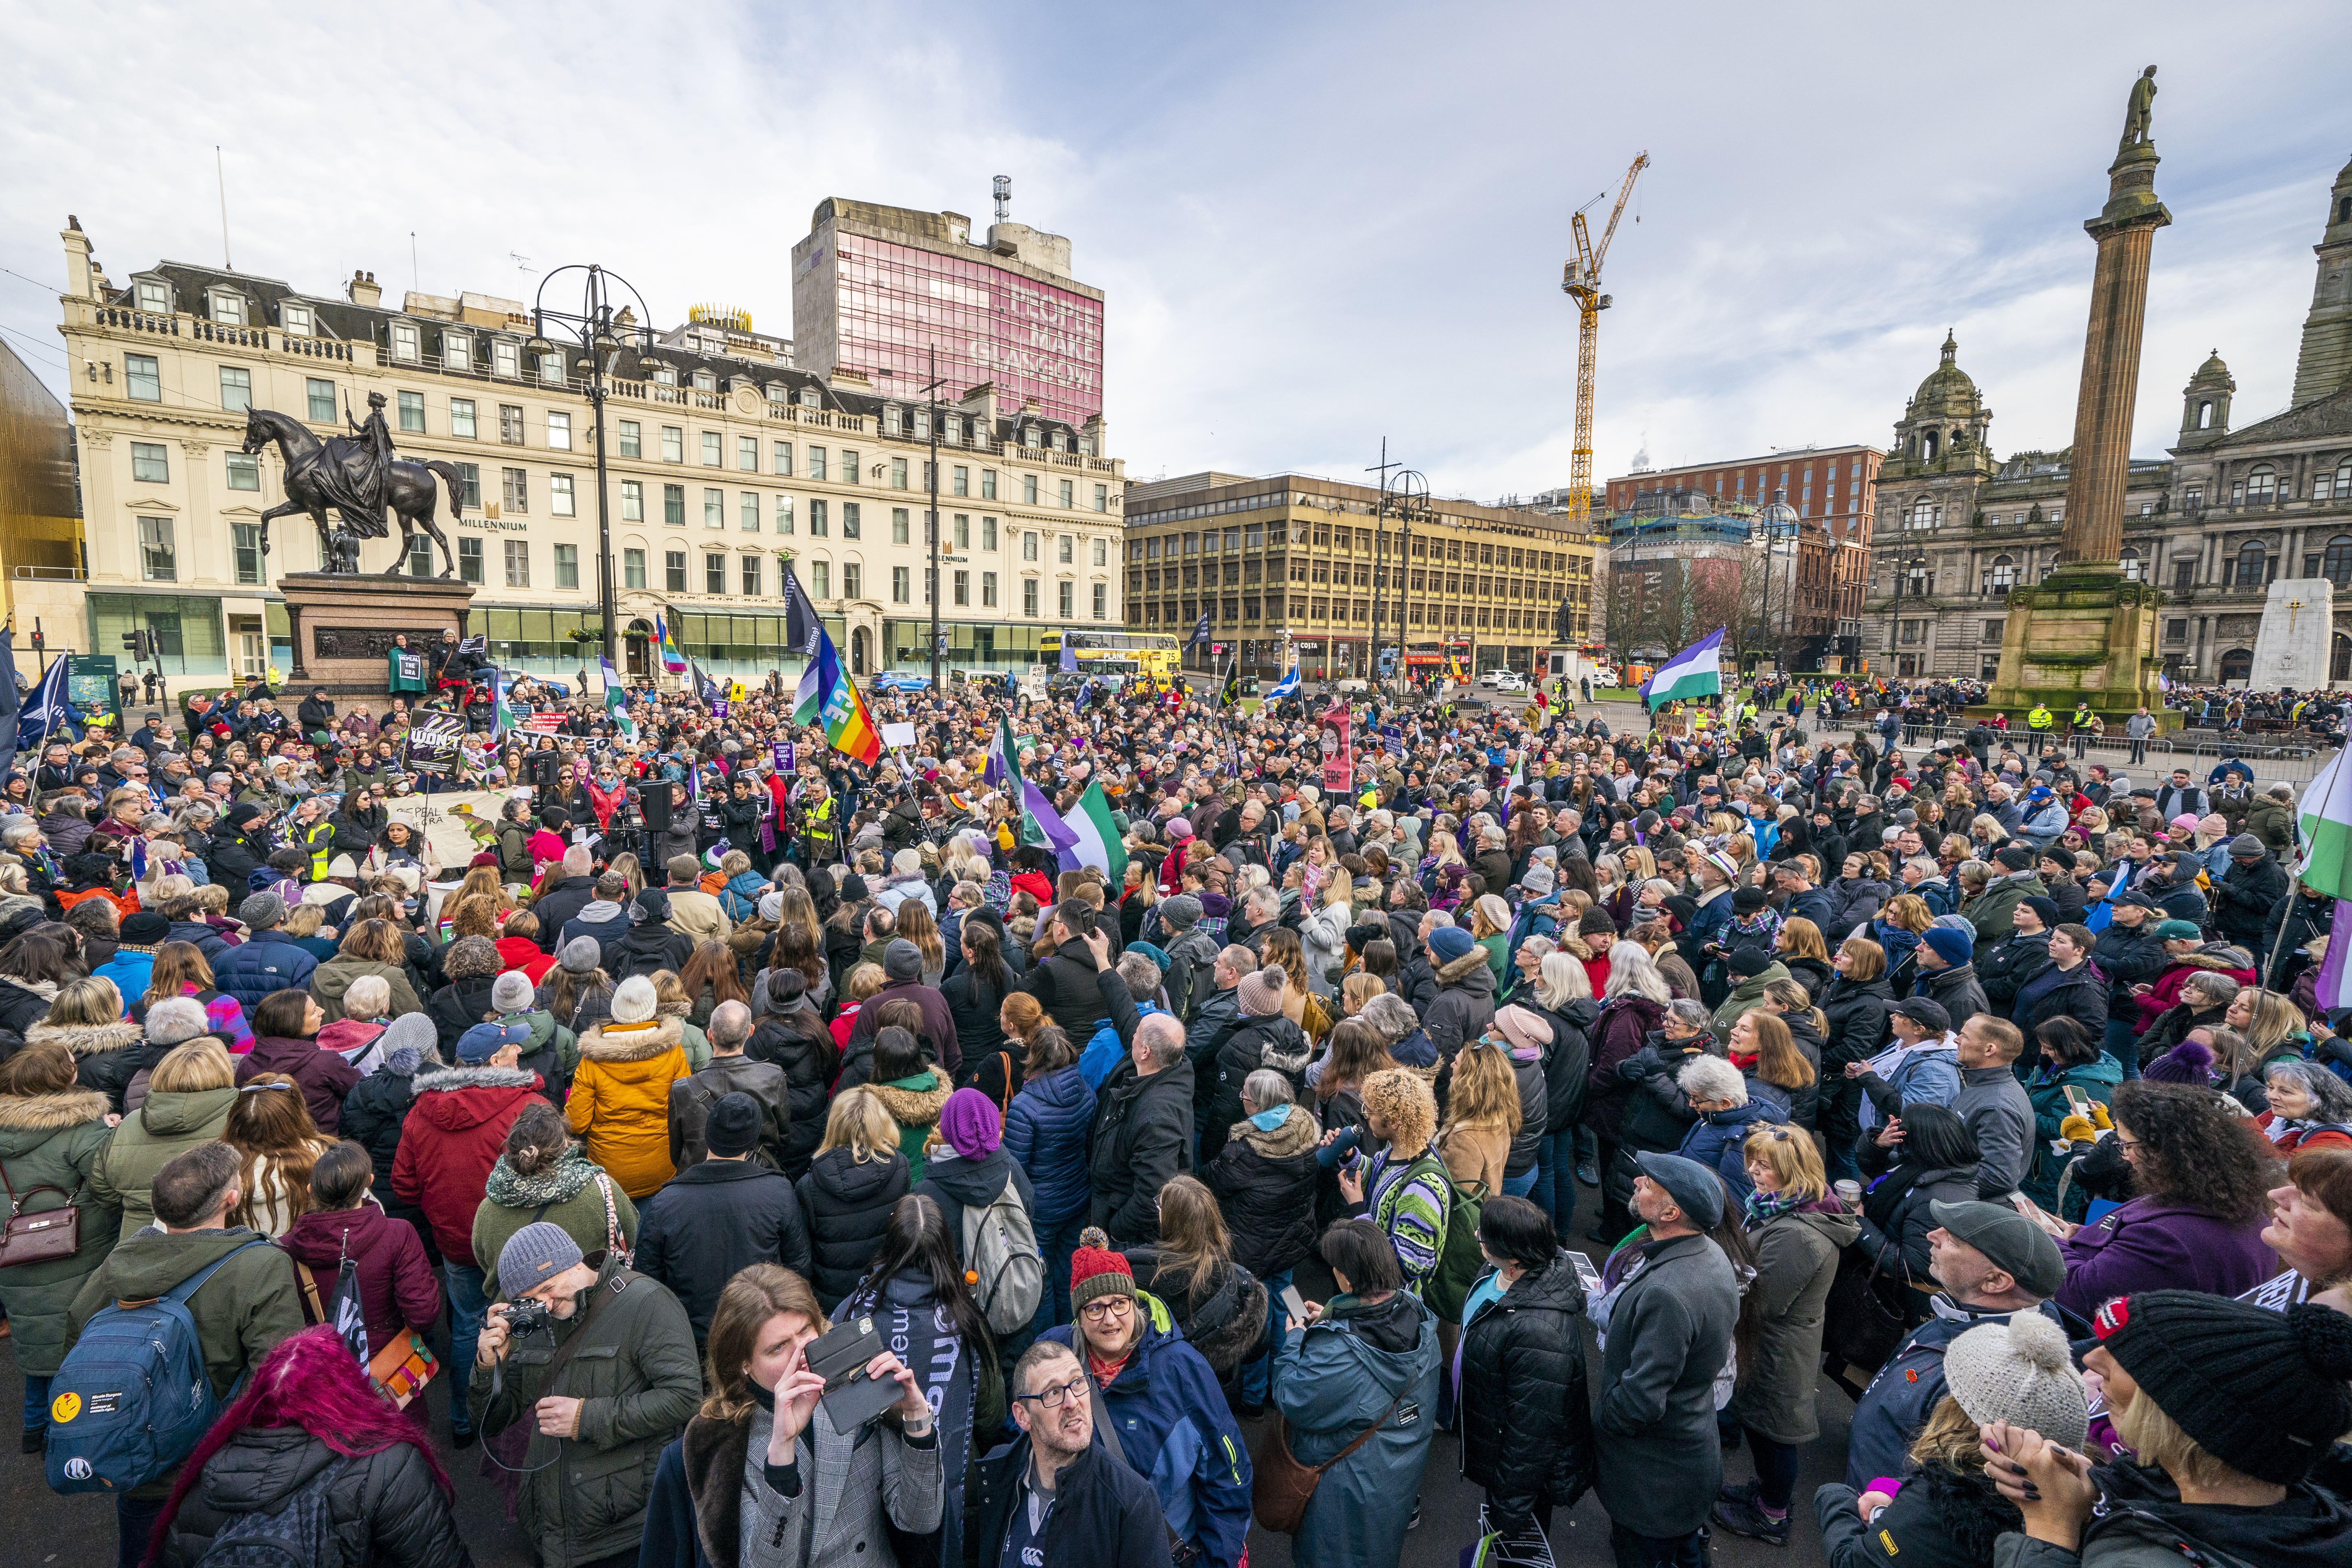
(698, 916)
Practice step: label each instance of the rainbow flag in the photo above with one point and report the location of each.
(673, 657)
(841, 710)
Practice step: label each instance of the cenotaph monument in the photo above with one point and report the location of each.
(2292, 648)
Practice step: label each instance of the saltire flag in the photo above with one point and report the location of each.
(616, 701)
(673, 657)
(502, 712)
(1697, 671)
(1099, 844)
(847, 725)
(1285, 687)
(46, 711)
(2326, 867)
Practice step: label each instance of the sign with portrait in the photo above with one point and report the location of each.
(1338, 753)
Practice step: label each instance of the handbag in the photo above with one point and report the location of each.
(1280, 1487)
(40, 1237)
(401, 1369)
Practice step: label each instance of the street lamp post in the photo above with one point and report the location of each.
(1411, 493)
(1771, 523)
(601, 338)
(930, 396)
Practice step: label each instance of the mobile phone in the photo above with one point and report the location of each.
(2078, 1101)
(1294, 1303)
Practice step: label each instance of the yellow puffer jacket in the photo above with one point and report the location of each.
(619, 1099)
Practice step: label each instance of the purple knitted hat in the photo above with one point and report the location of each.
(970, 1124)
(2188, 1062)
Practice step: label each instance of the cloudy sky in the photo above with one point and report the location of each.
(1317, 225)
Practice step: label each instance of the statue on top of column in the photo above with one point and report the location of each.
(2139, 113)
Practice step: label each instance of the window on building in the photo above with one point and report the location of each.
(901, 584)
(988, 533)
(2262, 485)
(154, 296)
(159, 556)
(750, 575)
(2176, 631)
(988, 484)
(2184, 573)
(821, 580)
(633, 501)
(852, 520)
(558, 432)
(897, 473)
(960, 481)
(1102, 601)
(407, 343)
(2134, 569)
(1067, 596)
(1102, 553)
(236, 393)
(2002, 574)
(747, 454)
(506, 358)
(633, 568)
(551, 369)
(714, 572)
(673, 444)
(849, 474)
(1028, 546)
(1029, 489)
(1029, 598)
(747, 512)
(149, 464)
(674, 571)
(511, 424)
(143, 379)
(712, 451)
(816, 464)
(2251, 564)
(244, 472)
(714, 508)
(1068, 494)
(898, 525)
(988, 590)
(470, 486)
(779, 460)
(853, 579)
(321, 397)
(461, 418)
(560, 502)
(518, 557)
(959, 588)
(1992, 631)
(244, 542)
(818, 525)
(2336, 564)
(457, 349)
(783, 514)
(1062, 549)
(673, 505)
(1102, 498)
(962, 531)
(514, 489)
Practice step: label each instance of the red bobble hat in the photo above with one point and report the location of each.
(1097, 1270)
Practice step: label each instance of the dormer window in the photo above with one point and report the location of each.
(228, 309)
(551, 369)
(1029, 437)
(951, 427)
(407, 343)
(1061, 440)
(295, 319)
(891, 419)
(506, 358)
(810, 397)
(778, 392)
(922, 423)
(457, 349)
(705, 382)
(1086, 448)
(154, 296)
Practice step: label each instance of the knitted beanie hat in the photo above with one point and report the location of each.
(970, 1124)
(2191, 1061)
(1748, 962)
(1095, 1271)
(1260, 992)
(512, 992)
(2217, 1366)
(1449, 942)
(635, 1001)
(534, 1254)
(2021, 1373)
(1953, 947)
(581, 955)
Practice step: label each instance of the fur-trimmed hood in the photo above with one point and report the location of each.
(1458, 971)
(612, 1042)
(916, 1107)
(1299, 1133)
(448, 1080)
(50, 1112)
(87, 1039)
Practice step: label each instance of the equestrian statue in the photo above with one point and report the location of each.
(359, 478)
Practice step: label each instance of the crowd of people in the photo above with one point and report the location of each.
(759, 1156)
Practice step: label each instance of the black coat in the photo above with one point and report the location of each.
(1523, 1372)
(565, 897)
(1265, 1185)
(458, 1007)
(372, 1114)
(1895, 1218)
(383, 1510)
(958, 1184)
(2246, 900)
(1066, 988)
(713, 1220)
(1657, 1112)
(848, 1205)
(1105, 1514)
(802, 1046)
(1271, 1042)
(2004, 965)
(1141, 1137)
(646, 948)
(1942, 1518)
(1566, 1061)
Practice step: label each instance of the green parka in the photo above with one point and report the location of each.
(52, 1140)
(167, 1124)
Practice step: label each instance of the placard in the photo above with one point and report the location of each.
(900, 735)
(786, 754)
(1338, 752)
(433, 740)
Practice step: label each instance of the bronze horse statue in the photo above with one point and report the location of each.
(310, 488)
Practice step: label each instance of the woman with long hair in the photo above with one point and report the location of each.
(850, 1190)
(1766, 1054)
(976, 992)
(180, 970)
(1801, 950)
(1358, 1048)
(710, 978)
(277, 1143)
(1935, 1162)
(1045, 1129)
(308, 1410)
(396, 1288)
(917, 924)
(1220, 1306)
(1311, 1012)
(917, 1296)
(765, 1404)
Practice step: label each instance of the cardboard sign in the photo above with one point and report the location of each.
(433, 739)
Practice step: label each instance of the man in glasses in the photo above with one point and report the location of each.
(1053, 1494)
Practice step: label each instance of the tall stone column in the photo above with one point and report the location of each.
(2125, 232)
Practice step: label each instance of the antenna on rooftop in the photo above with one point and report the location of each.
(522, 262)
(1003, 194)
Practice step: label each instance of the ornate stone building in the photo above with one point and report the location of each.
(2229, 511)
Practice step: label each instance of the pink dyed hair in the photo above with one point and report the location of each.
(311, 1381)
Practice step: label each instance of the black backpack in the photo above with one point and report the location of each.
(298, 1535)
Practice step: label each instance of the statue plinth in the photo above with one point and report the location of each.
(343, 625)
(2084, 633)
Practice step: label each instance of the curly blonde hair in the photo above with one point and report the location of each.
(1404, 1102)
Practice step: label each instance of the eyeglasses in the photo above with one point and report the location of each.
(1054, 1398)
(1108, 1307)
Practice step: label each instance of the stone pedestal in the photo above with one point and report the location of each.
(2083, 634)
(2292, 648)
(342, 624)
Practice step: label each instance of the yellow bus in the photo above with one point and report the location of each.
(1155, 655)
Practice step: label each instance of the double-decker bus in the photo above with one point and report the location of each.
(1155, 655)
(1438, 659)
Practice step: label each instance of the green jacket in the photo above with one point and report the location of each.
(52, 1140)
(331, 981)
(2272, 822)
(2097, 1080)
(1748, 993)
(168, 1124)
(639, 1381)
(518, 1200)
(251, 1304)
(1994, 913)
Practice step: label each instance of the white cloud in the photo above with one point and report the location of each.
(1316, 224)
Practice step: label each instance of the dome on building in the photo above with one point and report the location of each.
(1948, 389)
(1779, 520)
(2212, 370)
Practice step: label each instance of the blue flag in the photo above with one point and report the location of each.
(1285, 687)
(46, 710)
(1199, 632)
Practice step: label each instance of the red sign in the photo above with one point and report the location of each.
(1338, 752)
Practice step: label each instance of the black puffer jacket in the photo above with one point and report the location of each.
(382, 1510)
(377, 1105)
(1895, 1217)
(646, 948)
(848, 1207)
(802, 1046)
(458, 1007)
(1567, 1061)
(1272, 1042)
(1657, 1112)
(1523, 1369)
(2004, 965)
(1264, 1184)
(1141, 1137)
(1856, 1010)
(565, 897)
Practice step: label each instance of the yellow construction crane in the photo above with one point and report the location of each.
(1582, 280)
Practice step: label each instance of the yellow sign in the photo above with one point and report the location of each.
(65, 1407)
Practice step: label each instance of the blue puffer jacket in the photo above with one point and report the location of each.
(742, 895)
(1045, 1133)
(269, 961)
(1177, 1432)
(1105, 1049)
(1719, 1139)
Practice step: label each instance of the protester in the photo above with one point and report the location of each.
(849, 1191)
(189, 1097)
(542, 1174)
(52, 1133)
(1522, 1369)
(1054, 1491)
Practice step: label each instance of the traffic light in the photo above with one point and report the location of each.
(135, 643)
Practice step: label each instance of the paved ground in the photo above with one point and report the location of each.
(79, 1533)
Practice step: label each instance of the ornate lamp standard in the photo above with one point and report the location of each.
(601, 336)
(1770, 525)
(930, 396)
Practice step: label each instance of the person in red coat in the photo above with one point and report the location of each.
(455, 1131)
(396, 1289)
(518, 947)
